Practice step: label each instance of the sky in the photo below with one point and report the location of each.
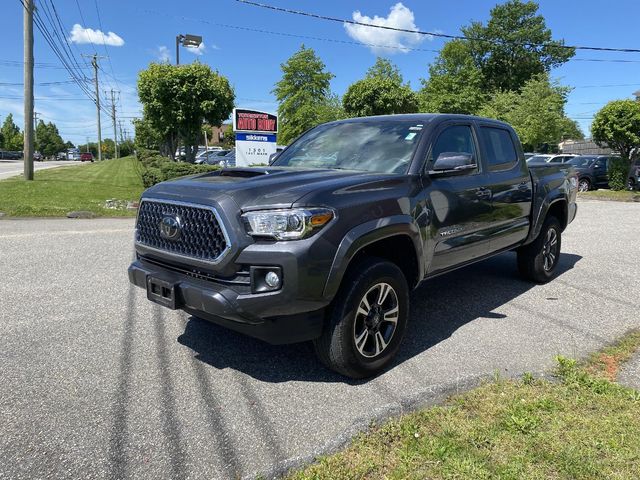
(248, 44)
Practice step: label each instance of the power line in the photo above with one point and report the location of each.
(104, 45)
(431, 34)
(41, 84)
(344, 42)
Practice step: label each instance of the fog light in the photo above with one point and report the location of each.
(272, 279)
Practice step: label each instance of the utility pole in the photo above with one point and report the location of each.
(113, 119)
(87, 145)
(27, 152)
(94, 63)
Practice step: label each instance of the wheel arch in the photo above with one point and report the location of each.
(396, 239)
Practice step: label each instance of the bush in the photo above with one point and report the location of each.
(156, 169)
(618, 170)
(143, 153)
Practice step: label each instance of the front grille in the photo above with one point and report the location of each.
(201, 236)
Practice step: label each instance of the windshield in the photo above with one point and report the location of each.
(384, 146)
(582, 161)
(538, 159)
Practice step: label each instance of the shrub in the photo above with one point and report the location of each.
(143, 153)
(618, 170)
(156, 169)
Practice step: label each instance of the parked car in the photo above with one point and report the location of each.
(327, 243)
(10, 155)
(551, 158)
(593, 171)
(633, 182)
(37, 156)
(211, 157)
(229, 160)
(86, 157)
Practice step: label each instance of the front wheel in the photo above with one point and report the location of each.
(367, 321)
(584, 185)
(538, 261)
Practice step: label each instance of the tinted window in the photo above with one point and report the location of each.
(501, 152)
(557, 160)
(455, 139)
(601, 163)
(538, 159)
(368, 145)
(581, 161)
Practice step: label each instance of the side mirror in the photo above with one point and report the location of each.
(453, 162)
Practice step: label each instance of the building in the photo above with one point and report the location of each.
(583, 147)
(217, 134)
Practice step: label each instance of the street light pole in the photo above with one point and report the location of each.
(178, 40)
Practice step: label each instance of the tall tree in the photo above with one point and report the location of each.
(302, 90)
(12, 138)
(455, 83)
(146, 136)
(178, 99)
(536, 112)
(49, 140)
(380, 92)
(514, 45)
(617, 125)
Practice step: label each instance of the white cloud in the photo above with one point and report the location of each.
(163, 54)
(88, 35)
(199, 50)
(214, 46)
(386, 41)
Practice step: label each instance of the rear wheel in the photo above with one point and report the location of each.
(367, 320)
(584, 185)
(538, 261)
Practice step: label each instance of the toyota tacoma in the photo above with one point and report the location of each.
(326, 243)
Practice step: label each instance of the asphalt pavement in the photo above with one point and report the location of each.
(96, 382)
(11, 168)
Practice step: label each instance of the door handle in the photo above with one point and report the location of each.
(523, 187)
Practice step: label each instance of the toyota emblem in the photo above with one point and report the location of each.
(170, 227)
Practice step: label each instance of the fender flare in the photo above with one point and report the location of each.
(555, 197)
(365, 234)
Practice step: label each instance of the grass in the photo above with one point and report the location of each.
(582, 426)
(619, 196)
(55, 192)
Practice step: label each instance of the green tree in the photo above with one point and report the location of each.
(617, 125)
(455, 83)
(514, 45)
(177, 100)
(49, 140)
(146, 136)
(381, 92)
(536, 112)
(303, 94)
(12, 138)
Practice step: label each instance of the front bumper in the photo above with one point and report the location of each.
(274, 317)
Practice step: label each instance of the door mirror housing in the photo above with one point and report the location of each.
(453, 163)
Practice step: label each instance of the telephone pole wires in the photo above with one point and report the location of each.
(27, 152)
(113, 119)
(94, 64)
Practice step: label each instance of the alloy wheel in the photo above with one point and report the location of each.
(376, 320)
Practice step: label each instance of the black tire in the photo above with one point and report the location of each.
(539, 260)
(584, 185)
(346, 322)
(631, 184)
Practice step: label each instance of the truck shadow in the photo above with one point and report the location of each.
(438, 308)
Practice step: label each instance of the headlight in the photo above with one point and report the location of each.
(286, 224)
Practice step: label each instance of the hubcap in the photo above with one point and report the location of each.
(550, 249)
(376, 320)
(583, 186)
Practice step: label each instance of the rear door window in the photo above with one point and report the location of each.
(501, 152)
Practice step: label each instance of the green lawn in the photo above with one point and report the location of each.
(619, 196)
(582, 426)
(57, 191)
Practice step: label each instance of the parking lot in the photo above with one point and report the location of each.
(97, 382)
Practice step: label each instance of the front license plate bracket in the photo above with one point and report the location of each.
(161, 292)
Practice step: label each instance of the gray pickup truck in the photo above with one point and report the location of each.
(327, 242)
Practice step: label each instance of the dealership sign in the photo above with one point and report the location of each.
(255, 136)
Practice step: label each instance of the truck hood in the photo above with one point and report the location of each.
(254, 188)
